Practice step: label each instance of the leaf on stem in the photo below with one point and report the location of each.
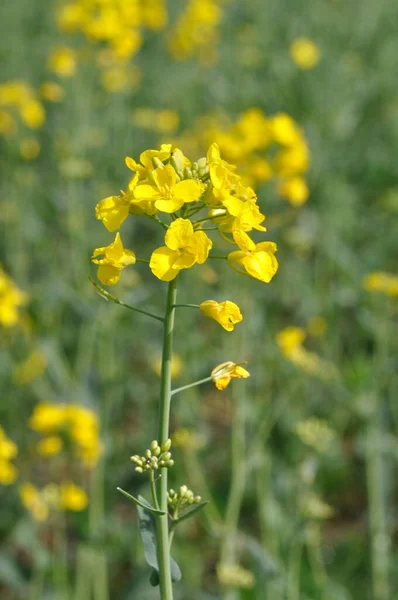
(148, 536)
(141, 503)
(190, 512)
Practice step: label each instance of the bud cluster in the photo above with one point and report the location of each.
(184, 497)
(156, 457)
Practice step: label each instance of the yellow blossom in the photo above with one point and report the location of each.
(51, 91)
(8, 473)
(33, 501)
(226, 313)
(47, 418)
(295, 190)
(380, 281)
(11, 299)
(289, 339)
(146, 160)
(222, 174)
(33, 114)
(62, 61)
(115, 258)
(187, 439)
(8, 451)
(184, 248)
(167, 195)
(176, 366)
(305, 53)
(73, 497)
(257, 259)
(49, 446)
(7, 123)
(223, 373)
(112, 211)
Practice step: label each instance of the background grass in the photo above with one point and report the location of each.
(250, 462)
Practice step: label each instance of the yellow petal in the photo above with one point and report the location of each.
(179, 234)
(108, 275)
(162, 263)
(112, 211)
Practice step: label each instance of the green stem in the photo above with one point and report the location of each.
(186, 306)
(153, 490)
(166, 590)
(190, 385)
(221, 257)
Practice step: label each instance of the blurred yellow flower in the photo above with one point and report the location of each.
(184, 248)
(187, 439)
(223, 373)
(305, 53)
(115, 258)
(226, 313)
(379, 281)
(7, 123)
(289, 339)
(32, 500)
(31, 368)
(176, 366)
(295, 190)
(51, 91)
(73, 497)
(33, 114)
(8, 451)
(257, 259)
(315, 433)
(62, 61)
(29, 148)
(11, 299)
(47, 418)
(313, 507)
(49, 446)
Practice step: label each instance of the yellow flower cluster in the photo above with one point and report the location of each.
(191, 195)
(40, 502)
(196, 31)
(386, 283)
(8, 451)
(11, 299)
(264, 148)
(17, 96)
(76, 424)
(118, 26)
(235, 576)
(163, 121)
(290, 341)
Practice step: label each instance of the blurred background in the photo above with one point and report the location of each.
(299, 461)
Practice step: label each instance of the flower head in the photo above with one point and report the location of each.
(305, 53)
(184, 248)
(257, 259)
(226, 313)
(115, 258)
(112, 211)
(222, 374)
(146, 158)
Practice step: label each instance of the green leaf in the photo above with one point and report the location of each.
(190, 512)
(141, 502)
(148, 536)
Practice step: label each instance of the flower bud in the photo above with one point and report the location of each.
(170, 463)
(154, 445)
(197, 499)
(166, 456)
(139, 469)
(188, 173)
(148, 453)
(183, 490)
(166, 446)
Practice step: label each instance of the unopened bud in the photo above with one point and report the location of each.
(188, 173)
(166, 446)
(197, 499)
(170, 463)
(148, 453)
(183, 490)
(166, 456)
(139, 469)
(154, 445)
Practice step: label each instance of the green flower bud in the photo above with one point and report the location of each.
(148, 453)
(166, 456)
(183, 491)
(170, 463)
(154, 445)
(197, 499)
(139, 469)
(166, 446)
(188, 173)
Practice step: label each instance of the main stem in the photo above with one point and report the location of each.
(166, 590)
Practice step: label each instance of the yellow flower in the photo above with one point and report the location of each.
(112, 211)
(7, 123)
(176, 366)
(221, 173)
(47, 418)
(8, 448)
(387, 283)
(184, 248)
(222, 374)
(289, 339)
(257, 259)
(168, 195)
(305, 53)
(243, 215)
(51, 91)
(8, 473)
(285, 130)
(73, 497)
(226, 313)
(33, 501)
(62, 61)
(235, 576)
(49, 446)
(146, 159)
(115, 258)
(32, 114)
(295, 190)
(11, 298)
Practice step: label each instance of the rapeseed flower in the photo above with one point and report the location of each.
(305, 53)
(184, 248)
(380, 281)
(257, 259)
(226, 313)
(223, 373)
(11, 300)
(115, 258)
(8, 451)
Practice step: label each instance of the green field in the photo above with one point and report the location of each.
(298, 462)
